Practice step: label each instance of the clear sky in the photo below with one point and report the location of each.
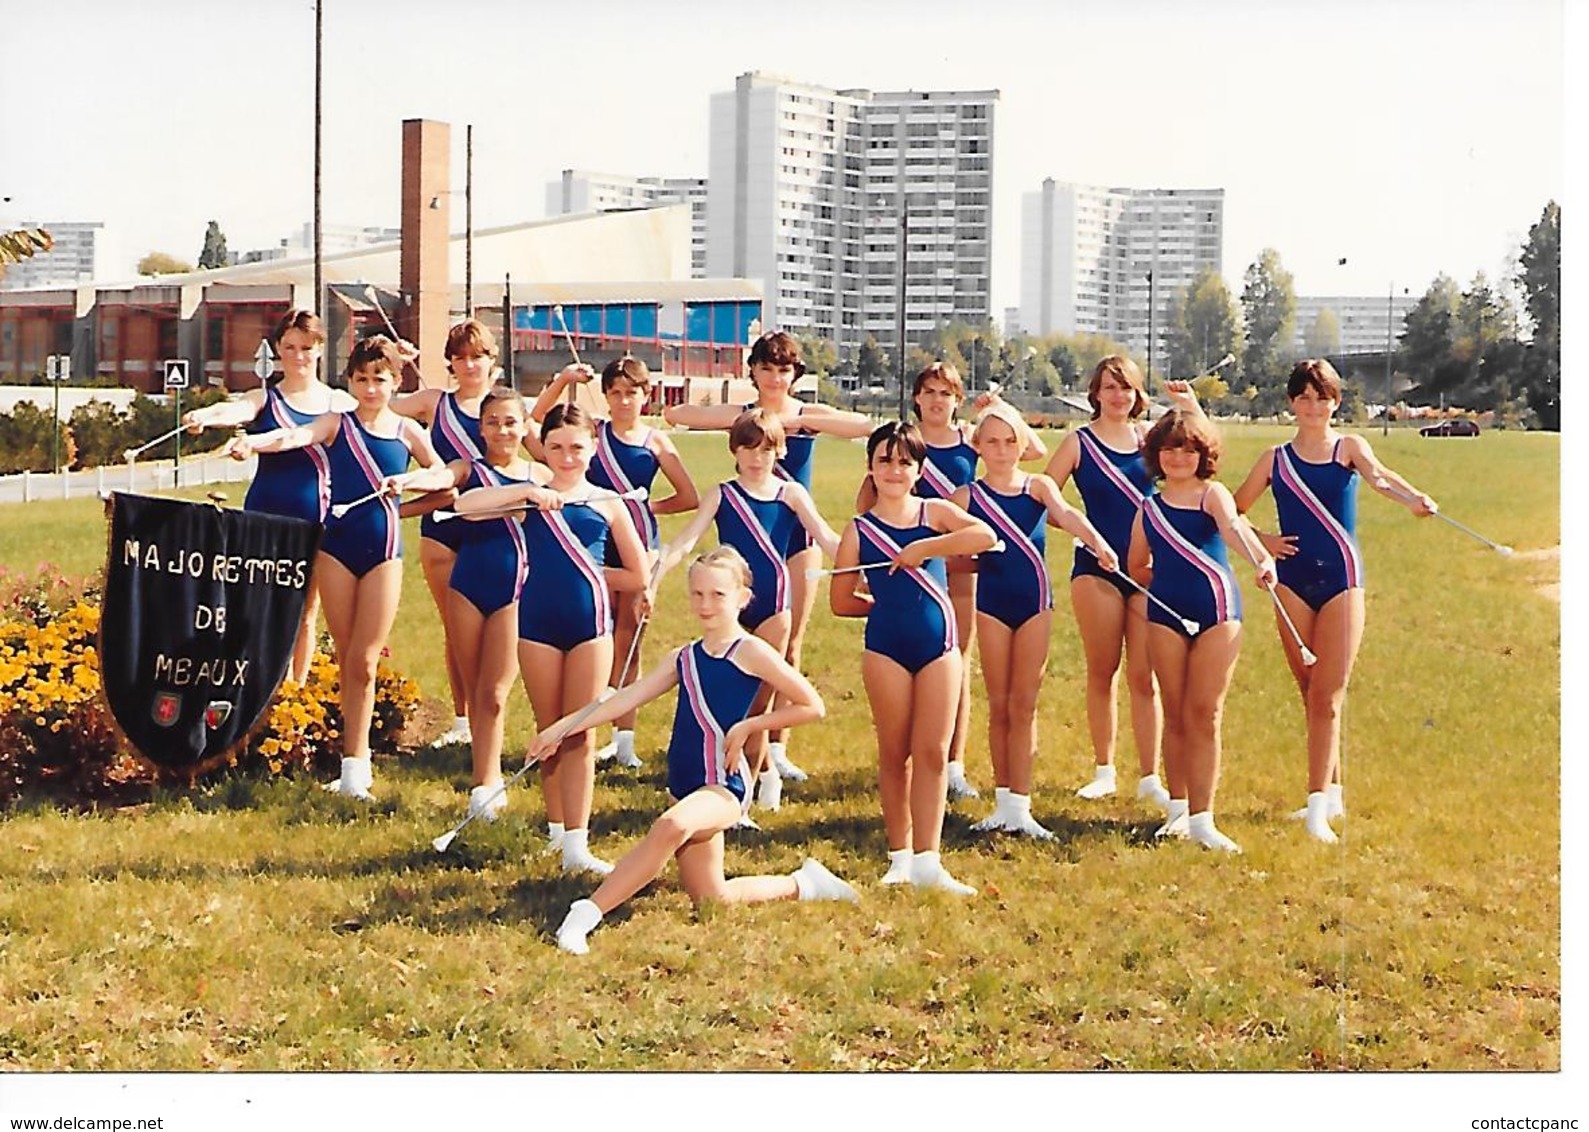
(1410, 138)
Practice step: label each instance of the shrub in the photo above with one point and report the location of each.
(27, 440)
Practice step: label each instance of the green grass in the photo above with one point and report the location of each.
(266, 926)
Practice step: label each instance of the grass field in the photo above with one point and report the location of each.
(271, 927)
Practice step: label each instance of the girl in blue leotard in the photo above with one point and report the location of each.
(565, 614)
(951, 463)
(775, 365)
(298, 482)
(1178, 551)
(1314, 481)
(484, 586)
(1015, 605)
(911, 666)
(629, 454)
(453, 417)
(1104, 458)
(359, 568)
(758, 514)
(718, 678)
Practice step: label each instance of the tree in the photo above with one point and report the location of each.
(871, 362)
(214, 253)
(1539, 274)
(1205, 324)
(1064, 361)
(1424, 352)
(1269, 310)
(159, 263)
(1323, 338)
(819, 354)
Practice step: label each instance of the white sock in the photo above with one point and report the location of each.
(1200, 828)
(1336, 798)
(460, 723)
(624, 741)
(582, 918)
(957, 771)
(777, 751)
(898, 867)
(554, 834)
(1102, 784)
(357, 777)
(1020, 804)
(1317, 820)
(769, 789)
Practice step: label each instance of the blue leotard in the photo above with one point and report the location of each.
(714, 694)
(297, 482)
(1191, 571)
(456, 436)
(1113, 485)
(620, 466)
(947, 469)
(369, 534)
(759, 530)
(565, 601)
(795, 464)
(1012, 584)
(912, 621)
(1318, 504)
(492, 556)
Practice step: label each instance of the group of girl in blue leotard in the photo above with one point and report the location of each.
(548, 569)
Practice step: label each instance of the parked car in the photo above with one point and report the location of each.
(1451, 428)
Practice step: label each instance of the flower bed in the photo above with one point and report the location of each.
(57, 737)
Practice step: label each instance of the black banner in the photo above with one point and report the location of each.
(202, 606)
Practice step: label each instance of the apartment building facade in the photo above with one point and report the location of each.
(1110, 260)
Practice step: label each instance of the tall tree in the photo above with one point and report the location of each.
(159, 263)
(214, 253)
(1323, 338)
(1539, 271)
(1269, 311)
(1424, 353)
(871, 362)
(1205, 324)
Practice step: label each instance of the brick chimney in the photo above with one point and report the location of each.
(426, 288)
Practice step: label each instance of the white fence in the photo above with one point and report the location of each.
(26, 487)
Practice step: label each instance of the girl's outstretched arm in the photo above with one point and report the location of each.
(653, 684)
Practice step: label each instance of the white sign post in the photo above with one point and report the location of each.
(176, 370)
(57, 368)
(264, 361)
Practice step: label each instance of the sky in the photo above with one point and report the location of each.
(1409, 138)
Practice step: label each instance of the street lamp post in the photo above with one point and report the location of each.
(1390, 327)
(1150, 329)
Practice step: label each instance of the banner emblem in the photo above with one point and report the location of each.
(167, 706)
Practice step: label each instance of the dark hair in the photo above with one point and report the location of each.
(375, 352)
(777, 348)
(1315, 373)
(472, 336)
(896, 437)
(299, 319)
(499, 393)
(628, 367)
(1122, 369)
(1180, 429)
(756, 428)
(939, 371)
(566, 414)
